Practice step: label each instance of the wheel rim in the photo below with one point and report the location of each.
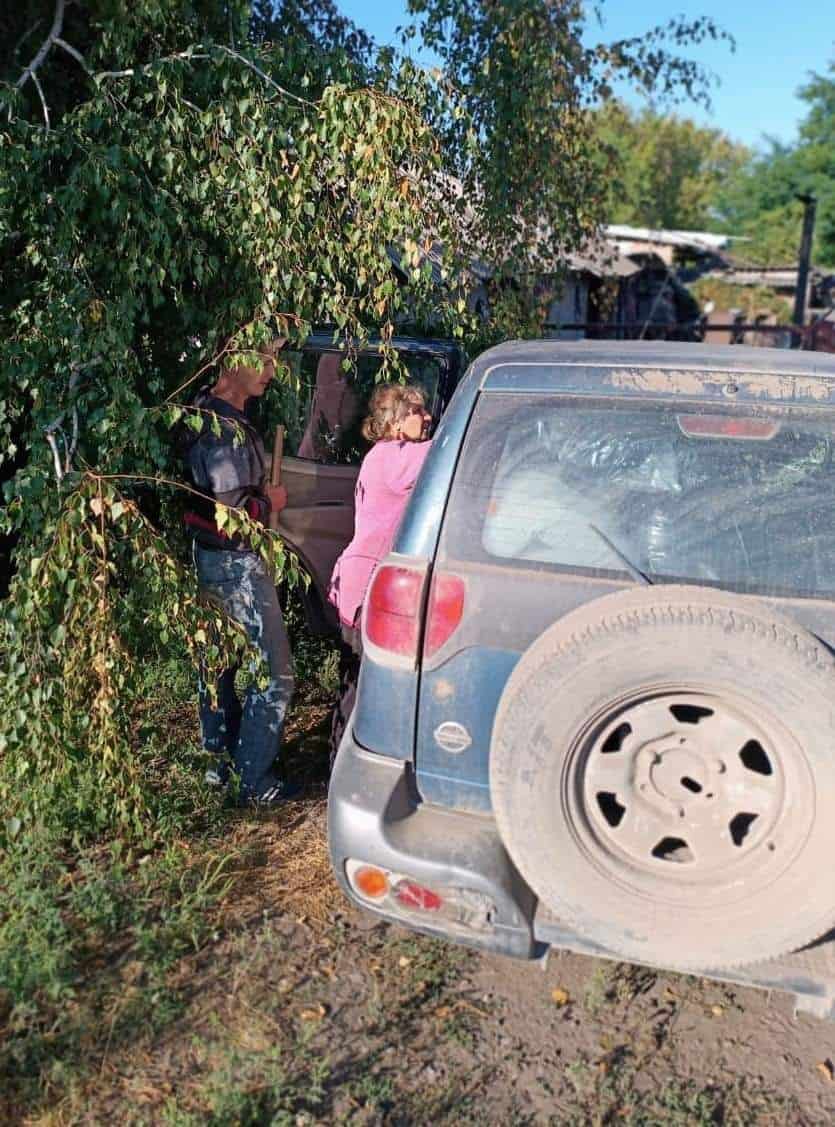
(688, 788)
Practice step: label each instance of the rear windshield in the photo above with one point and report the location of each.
(745, 501)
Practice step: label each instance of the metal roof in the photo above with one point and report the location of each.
(701, 240)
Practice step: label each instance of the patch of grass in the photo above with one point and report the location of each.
(614, 1091)
(36, 943)
(619, 1086)
(247, 1090)
(373, 1091)
(616, 984)
(79, 906)
(315, 657)
(88, 944)
(411, 972)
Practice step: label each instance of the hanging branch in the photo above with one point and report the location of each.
(45, 107)
(46, 46)
(263, 75)
(198, 52)
(76, 54)
(52, 40)
(56, 457)
(22, 39)
(56, 426)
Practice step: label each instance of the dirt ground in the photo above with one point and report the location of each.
(305, 1011)
(299, 1010)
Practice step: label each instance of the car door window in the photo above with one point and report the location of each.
(325, 409)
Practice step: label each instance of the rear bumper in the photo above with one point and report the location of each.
(375, 816)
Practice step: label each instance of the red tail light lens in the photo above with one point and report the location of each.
(392, 613)
(413, 895)
(727, 426)
(446, 609)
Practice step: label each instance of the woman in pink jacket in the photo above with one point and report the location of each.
(398, 425)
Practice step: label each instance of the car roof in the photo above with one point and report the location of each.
(650, 354)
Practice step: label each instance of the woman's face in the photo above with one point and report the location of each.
(415, 426)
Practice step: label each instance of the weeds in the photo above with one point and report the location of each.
(616, 984)
(616, 1093)
(205, 958)
(245, 1091)
(90, 926)
(316, 658)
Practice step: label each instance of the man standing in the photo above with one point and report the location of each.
(230, 467)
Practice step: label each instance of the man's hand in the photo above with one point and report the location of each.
(278, 497)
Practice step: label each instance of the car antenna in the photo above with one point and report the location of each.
(635, 572)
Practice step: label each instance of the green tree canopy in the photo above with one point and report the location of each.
(521, 139)
(760, 200)
(172, 171)
(668, 170)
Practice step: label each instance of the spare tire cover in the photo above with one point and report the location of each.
(662, 772)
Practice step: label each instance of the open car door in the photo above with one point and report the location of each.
(323, 445)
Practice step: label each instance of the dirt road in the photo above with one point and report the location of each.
(305, 1012)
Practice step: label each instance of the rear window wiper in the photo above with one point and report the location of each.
(634, 571)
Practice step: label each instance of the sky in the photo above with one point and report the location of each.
(777, 45)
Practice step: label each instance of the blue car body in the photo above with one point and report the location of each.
(410, 790)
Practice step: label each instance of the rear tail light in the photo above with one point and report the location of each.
(371, 882)
(446, 609)
(412, 895)
(392, 621)
(727, 426)
(402, 896)
(392, 613)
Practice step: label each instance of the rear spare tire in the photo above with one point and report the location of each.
(662, 773)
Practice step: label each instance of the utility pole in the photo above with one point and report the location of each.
(809, 204)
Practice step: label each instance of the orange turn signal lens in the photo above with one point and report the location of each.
(371, 882)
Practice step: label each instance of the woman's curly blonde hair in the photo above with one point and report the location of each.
(388, 406)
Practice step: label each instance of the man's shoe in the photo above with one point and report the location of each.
(218, 774)
(276, 793)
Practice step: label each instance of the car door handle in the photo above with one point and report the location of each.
(330, 504)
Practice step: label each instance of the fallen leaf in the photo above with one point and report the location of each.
(826, 1069)
(560, 997)
(717, 1011)
(443, 1012)
(403, 961)
(132, 971)
(313, 1015)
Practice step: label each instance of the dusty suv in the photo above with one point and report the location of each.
(597, 701)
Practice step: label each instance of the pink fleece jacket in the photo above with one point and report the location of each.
(386, 478)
